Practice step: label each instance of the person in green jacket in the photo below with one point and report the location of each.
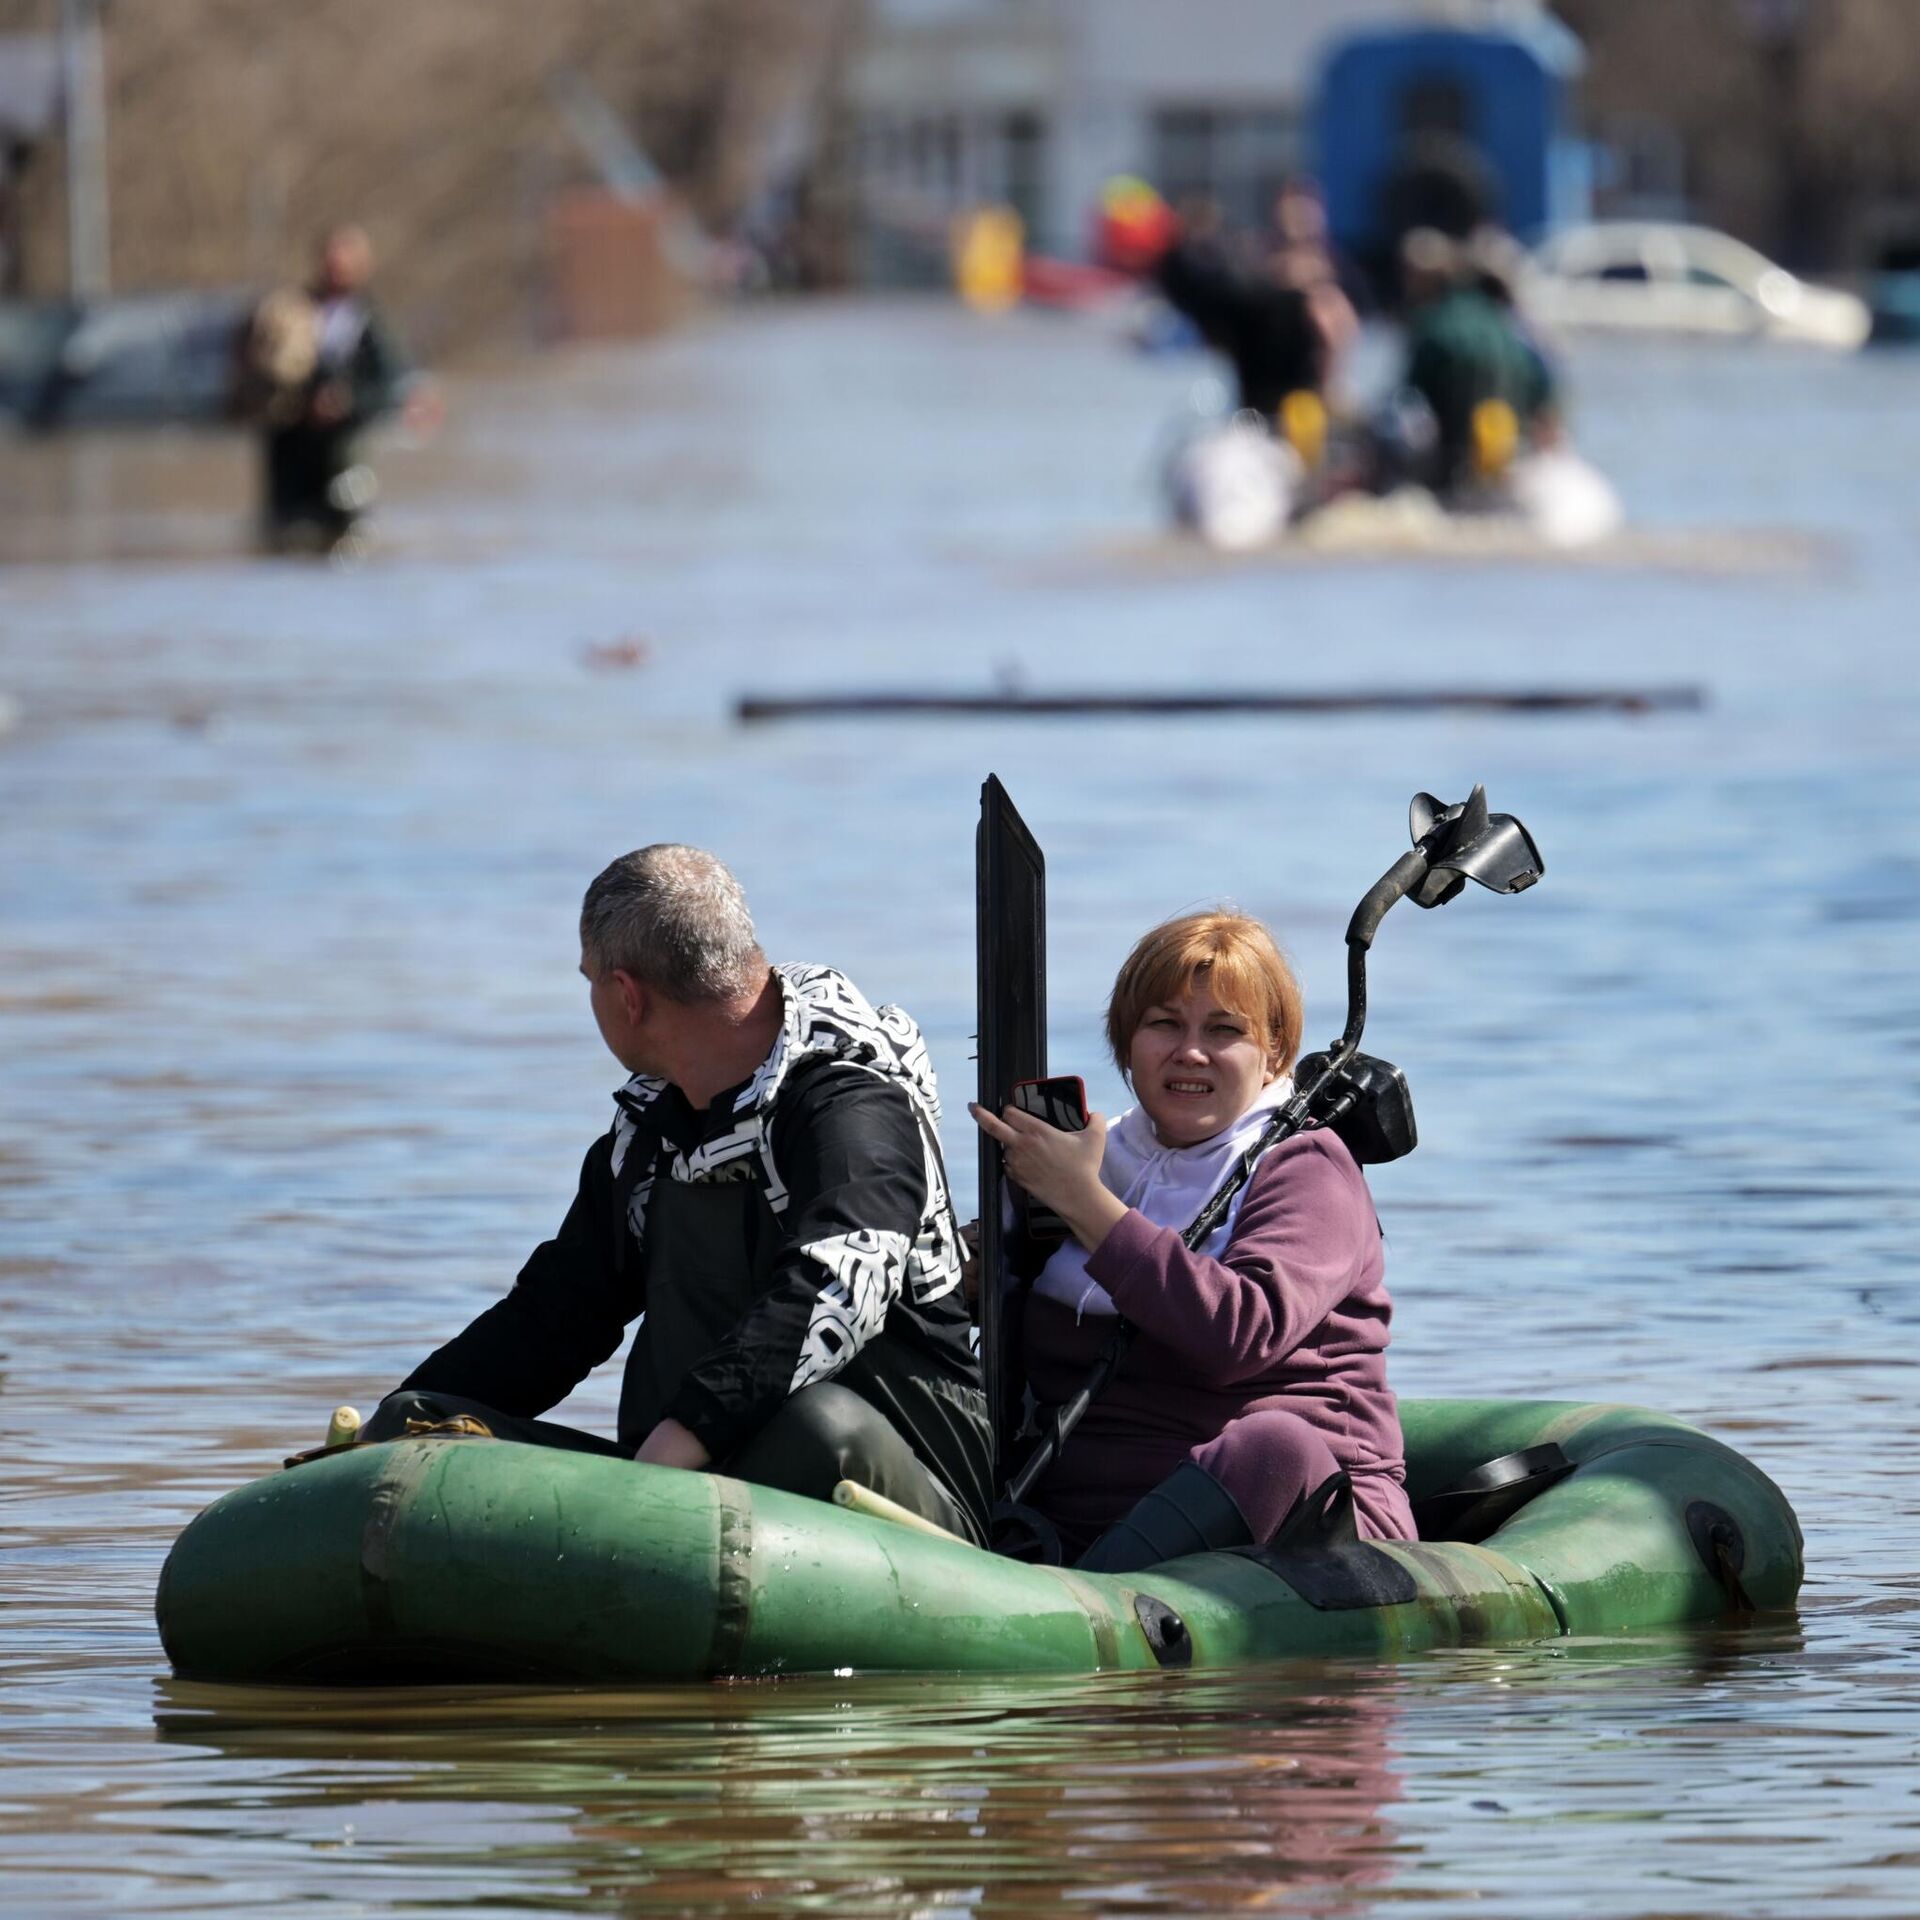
(1488, 387)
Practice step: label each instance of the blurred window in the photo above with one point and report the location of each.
(1644, 167)
(1623, 270)
(1237, 157)
(1023, 166)
(947, 141)
(1183, 161)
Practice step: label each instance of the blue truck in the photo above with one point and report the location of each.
(1445, 127)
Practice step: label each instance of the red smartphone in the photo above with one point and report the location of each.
(1061, 1101)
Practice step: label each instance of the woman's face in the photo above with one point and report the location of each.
(1195, 1067)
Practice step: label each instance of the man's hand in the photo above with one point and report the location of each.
(970, 1261)
(331, 403)
(672, 1445)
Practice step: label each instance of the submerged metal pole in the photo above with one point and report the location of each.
(84, 89)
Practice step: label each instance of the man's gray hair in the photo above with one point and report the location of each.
(675, 919)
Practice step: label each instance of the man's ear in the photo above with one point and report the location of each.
(633, 996)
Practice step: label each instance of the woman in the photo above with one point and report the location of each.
(1257, 1370)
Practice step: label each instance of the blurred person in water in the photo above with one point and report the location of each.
(1256, 1375)
(770, 1197)
(318, 365)
(1302, 254)
(1469, 357)
(1273, 309)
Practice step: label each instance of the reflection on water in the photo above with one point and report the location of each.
(926, 1790)
(295, 1069)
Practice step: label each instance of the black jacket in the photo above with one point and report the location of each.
(1265, 329)
(865, 1277)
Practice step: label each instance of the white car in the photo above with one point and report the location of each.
(1647, 276)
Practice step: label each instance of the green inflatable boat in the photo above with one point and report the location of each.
(447, 1557)
(473, 1559)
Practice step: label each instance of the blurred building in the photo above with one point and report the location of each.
(29, 109)
(1035, 103)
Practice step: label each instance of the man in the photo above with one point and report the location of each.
(771, 1197)
(1466, 349)
(1280, 322)
(318, 368)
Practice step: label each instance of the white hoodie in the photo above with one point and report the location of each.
(1169, 1185)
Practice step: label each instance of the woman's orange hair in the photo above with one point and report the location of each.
(1238, 959)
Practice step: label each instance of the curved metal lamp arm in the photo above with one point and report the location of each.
(1451, 845)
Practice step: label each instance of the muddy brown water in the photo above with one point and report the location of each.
(294, 1068)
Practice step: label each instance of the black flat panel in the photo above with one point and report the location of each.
(1010, 934)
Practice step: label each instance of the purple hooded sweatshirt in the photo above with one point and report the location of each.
(1292, 1319)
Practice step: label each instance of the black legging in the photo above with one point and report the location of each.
(820, 1436)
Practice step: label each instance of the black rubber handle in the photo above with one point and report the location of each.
(1396, 883)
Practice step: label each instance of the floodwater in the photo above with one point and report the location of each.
(294, 1067)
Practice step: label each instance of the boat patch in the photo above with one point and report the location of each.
(1342, 1578)
(733, 1577)
(402, 1474)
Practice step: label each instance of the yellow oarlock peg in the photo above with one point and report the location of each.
(1303, 425)
(1496, 437)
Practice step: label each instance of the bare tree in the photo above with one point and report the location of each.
(240, 128)
(1800, 119)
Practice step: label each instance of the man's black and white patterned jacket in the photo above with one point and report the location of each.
(839, 1129)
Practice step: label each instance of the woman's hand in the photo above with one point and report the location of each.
(1059, 1169)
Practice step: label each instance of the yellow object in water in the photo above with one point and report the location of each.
(989, 258)
(1303, 424)
(344, 1426)
(1496, 437)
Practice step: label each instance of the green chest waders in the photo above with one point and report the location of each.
(710, 1256)
(711, 1248)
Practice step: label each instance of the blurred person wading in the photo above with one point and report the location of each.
(317, 367)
